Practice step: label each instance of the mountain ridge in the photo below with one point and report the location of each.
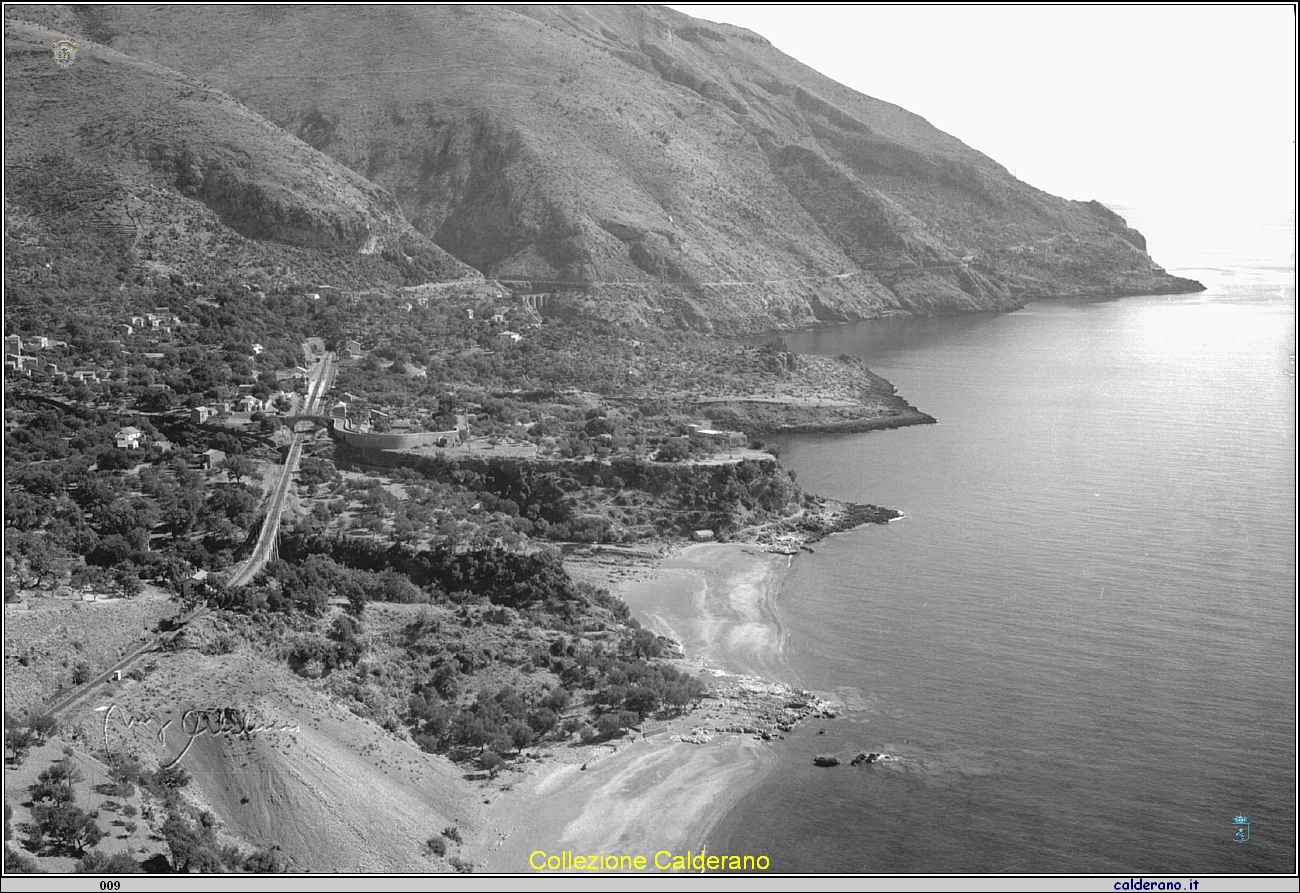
(197, 184)
(645, 165)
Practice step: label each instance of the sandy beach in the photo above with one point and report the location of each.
(655, 793)
(717, 601)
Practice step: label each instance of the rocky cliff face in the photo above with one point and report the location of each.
(642, 163)
(185, 172)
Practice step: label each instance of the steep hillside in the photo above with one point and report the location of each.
(672, 169)
(335, 793)
(160, 175)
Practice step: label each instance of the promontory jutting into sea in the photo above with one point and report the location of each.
(1085, 608)
(503, 439)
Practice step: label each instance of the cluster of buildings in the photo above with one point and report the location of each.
(21, 359)
(132, 438)
(161, 321)
(246, 403)
(505, 338)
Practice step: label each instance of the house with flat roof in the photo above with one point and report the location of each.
(209, 459)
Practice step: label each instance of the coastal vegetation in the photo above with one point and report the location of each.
(524, 362)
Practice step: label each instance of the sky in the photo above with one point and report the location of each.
(1178, 108)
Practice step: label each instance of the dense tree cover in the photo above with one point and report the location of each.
(316, 570)
(618, 500)
(576, 352)
(500, 721)
(640, 687)
(492, 585)
(148, 516)
(308, 586)
(623, 687)
(534, 582)
(314, 472)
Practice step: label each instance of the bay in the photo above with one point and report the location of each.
(1080, 640)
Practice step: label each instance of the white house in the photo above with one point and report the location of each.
(129, 438)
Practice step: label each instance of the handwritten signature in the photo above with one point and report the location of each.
(195, 723)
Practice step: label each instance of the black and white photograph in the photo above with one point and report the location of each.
(546, 442)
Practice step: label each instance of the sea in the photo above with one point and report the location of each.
(1078, 646)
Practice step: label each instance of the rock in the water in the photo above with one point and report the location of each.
(825, 760)
(868, 758)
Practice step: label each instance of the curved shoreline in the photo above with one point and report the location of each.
(668, 789)
(718, 601)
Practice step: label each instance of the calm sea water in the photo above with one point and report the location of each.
(1081, 639)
